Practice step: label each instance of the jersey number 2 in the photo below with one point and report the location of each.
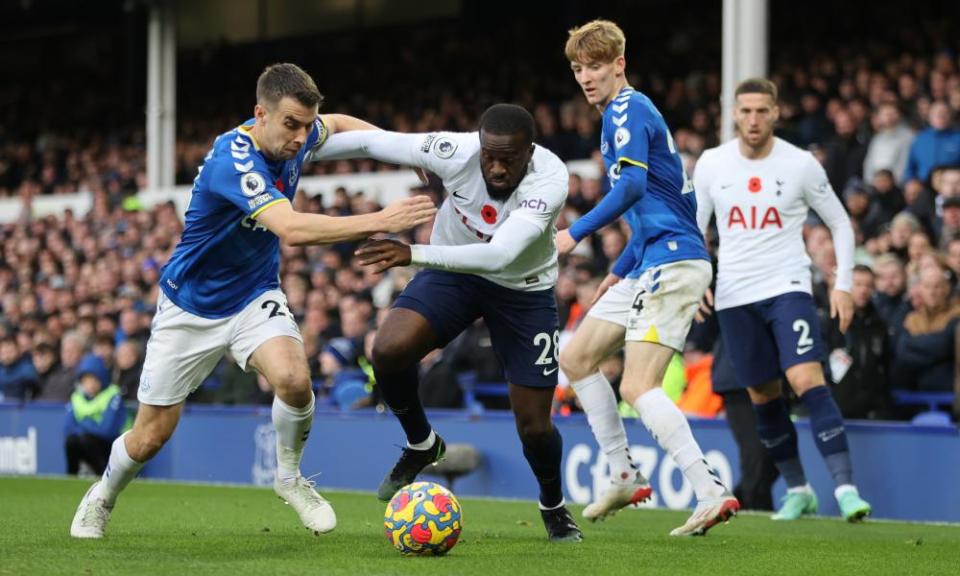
(277, 309)
(804, 342)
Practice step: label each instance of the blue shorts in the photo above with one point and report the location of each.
(524, 326)
(765, 338)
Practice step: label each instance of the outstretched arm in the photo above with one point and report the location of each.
(625, 193)
(300, 228)
(510, 240)
(392, 147)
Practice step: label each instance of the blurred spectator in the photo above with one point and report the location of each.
(95, 417)
(867, 215)
(18, 378)
(924, 357)
(890, 146)
(859, 359)
(845, 151)
(45, 363)
(698, 398)
(346, 384)
(938, 145)
(59, 385)
(890, 295)
(886, 195)
(813, 126)
(129, 365)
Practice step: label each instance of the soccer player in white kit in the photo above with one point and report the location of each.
(220, 291)
(761, 188)
(491, 255)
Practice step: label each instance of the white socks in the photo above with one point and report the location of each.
(426, 444)
(600, 404)
(671, 430)
(121, 469)
(293, 427)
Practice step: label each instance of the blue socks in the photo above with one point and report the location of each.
(779, 436)
(826, 423)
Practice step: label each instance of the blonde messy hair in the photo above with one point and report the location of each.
(597, 41)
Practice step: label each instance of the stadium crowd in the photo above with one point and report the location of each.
(882, 122)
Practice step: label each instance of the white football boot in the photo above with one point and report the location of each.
(617, 496)
(92, 516)
(707, 514)
(314, 510)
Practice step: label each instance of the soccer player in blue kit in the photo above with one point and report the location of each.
(650, 297)
(220, 290)
(491, 255)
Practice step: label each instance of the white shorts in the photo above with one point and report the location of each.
(658, 306)
(615, 303)
(184, 348)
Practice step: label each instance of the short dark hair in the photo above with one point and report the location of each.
(757, 86)
(280, 80)
(864, 269)
(508, 119)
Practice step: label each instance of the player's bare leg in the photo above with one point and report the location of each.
(646, 363)
(152, 428)
(593, 341)
(282, 361)
(543, 449)
(402, 341)
(826, 424)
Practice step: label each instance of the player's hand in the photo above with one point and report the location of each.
(406, 213)
(383, 254)
(706, 307)
(841, 307)
(565, 242)
(609, 281)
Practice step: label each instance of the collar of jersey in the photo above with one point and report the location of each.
(619, 94)
(244, 130)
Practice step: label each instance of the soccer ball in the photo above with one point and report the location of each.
(423, 519)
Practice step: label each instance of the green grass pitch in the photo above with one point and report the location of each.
(166, 528)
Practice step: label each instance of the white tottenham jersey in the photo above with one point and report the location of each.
(469, 215)
(761, 206)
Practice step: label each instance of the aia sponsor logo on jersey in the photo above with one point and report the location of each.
(752, 219)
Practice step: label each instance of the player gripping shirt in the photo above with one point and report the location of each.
(224, 262)
(649, 187)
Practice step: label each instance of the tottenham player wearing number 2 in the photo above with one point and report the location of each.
(491, 255)
(651, 296)
(220, 291)
(760, 188)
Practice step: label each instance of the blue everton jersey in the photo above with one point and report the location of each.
(664, 220)
(225, 259)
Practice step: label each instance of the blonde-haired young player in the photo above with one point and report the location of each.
(652, 294)
(761, 189)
